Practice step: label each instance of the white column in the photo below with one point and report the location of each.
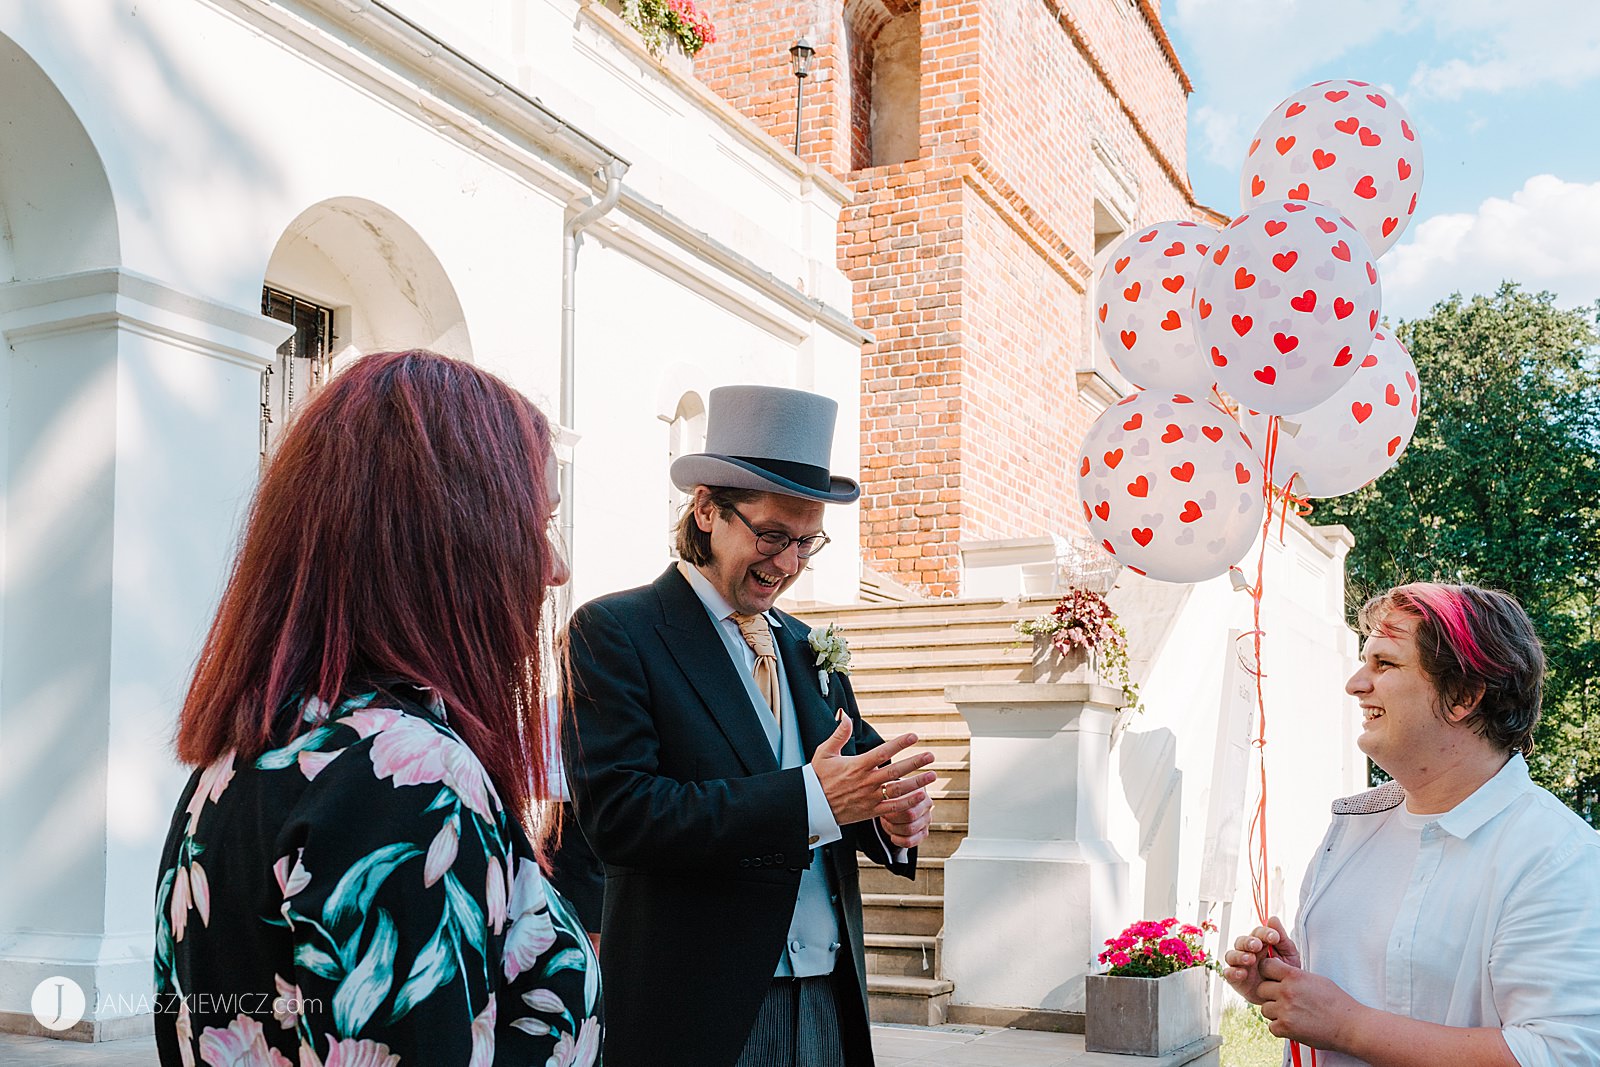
(1036, 888)
(130, 447)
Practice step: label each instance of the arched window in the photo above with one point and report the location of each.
(884, 44)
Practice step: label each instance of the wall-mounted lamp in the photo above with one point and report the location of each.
(800, 54)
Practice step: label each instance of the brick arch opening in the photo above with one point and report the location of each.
(883, 46)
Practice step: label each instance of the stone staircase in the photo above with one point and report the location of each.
(903, 654)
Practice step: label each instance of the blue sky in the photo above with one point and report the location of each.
(1505, 95)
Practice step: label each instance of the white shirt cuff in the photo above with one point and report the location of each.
(819, 816)
(896, 855)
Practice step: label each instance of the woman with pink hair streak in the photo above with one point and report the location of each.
(1452, 915)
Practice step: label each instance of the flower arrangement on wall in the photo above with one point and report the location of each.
(663, 22)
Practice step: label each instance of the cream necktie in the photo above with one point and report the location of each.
(758, 635)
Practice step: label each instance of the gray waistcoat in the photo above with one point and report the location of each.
(814, 927)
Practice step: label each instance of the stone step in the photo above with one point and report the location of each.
(943, 837)
(864, 646)
(902, 913)
(905, 955)
(908, 1001)
(920, 676)
(847, 615)
(929, 878)
(907, 658)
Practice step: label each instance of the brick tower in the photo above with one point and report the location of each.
(997, 150)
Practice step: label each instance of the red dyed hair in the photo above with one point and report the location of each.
(400, 531)
(1474, 644)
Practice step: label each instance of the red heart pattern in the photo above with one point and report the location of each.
(1168, 506)
(1148, 296)
(1358, 434)
(1326, 139)
(1307, 301)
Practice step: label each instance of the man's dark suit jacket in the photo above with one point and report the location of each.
(702, 835)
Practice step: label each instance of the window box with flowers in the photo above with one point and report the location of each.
(1081, 640)
(1152, 999)
(669, 27)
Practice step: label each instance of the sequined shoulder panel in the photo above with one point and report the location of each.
(1386, 796)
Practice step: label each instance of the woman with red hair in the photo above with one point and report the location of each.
(1452, 915)
(349, 877)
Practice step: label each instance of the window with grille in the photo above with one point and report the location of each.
(304, 360)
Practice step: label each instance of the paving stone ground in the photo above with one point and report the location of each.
(896, 1046)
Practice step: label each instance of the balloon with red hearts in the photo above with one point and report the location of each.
(1170, 486)
(1286, 305)
(1352, 437)
(1341, 143)
(1146, 305)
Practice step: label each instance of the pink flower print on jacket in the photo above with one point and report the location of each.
(580, 1051)
(483, 1037)
(348, 1052)
(213, 780)
(413, 752)
(242, 1044)
(532, 932)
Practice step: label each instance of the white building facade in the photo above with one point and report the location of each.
(382, 175)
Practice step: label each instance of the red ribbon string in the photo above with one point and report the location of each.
(1257, 849)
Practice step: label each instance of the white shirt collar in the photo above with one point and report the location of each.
(1489, 799)
(715, 603)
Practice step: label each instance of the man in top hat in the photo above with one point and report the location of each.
(724, 780)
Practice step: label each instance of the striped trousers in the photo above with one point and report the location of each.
(797, 1026)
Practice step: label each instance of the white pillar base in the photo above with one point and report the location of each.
(1036, 888)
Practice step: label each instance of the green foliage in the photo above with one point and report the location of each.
(1500, 487)
(1246, 1041)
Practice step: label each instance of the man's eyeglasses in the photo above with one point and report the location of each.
(773, 542)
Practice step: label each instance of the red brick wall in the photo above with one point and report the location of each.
(970, 263)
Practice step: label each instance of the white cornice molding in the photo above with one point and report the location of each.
(125, 300)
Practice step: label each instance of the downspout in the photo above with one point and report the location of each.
(612, 171)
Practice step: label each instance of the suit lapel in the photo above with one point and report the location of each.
(812, 713)
(691, 639)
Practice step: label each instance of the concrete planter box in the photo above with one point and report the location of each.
(1145, 1016)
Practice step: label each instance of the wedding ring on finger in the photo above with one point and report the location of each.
(885, 790)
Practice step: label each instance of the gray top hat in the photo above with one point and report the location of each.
(768, 439)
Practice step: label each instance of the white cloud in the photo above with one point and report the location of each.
(1523, 45)
(1546, 236)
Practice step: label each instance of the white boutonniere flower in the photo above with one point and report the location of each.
(833, 652)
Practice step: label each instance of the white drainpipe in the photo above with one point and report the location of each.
(612, 171)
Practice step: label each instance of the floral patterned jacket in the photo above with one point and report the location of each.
(360, 896)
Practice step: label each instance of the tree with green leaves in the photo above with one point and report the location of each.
(1500, 487)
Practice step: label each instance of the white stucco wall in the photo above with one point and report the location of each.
(1167, 760)
(190, 152)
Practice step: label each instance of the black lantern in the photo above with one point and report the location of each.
(800, 54)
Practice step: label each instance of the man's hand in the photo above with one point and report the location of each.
(1307, 1007)
(869, 786)
(1244, 959)
(906, 829)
